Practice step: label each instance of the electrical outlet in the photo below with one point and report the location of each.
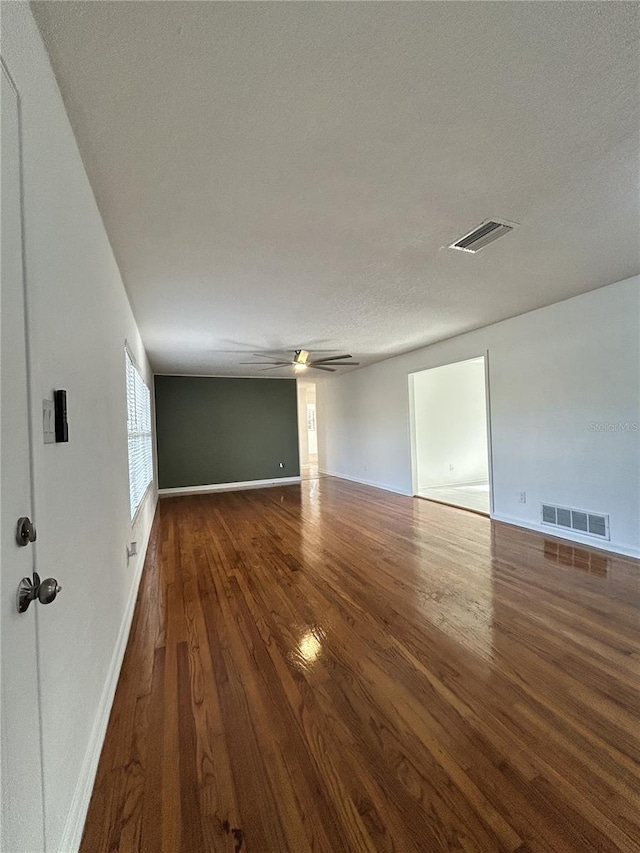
(451, 466)
(522, 497)
(281, 465)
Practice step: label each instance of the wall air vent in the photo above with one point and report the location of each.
(588, 523)
(484, 234)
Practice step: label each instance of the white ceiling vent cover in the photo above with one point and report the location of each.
(484, 234)
(580, 520)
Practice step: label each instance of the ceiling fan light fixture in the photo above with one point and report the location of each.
(303, 360)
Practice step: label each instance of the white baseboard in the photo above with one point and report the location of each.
(375, 485)
(570, 536)
(77, 814)
(228, 487)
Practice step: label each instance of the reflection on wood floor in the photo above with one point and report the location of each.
(331, 667)
(309, 472)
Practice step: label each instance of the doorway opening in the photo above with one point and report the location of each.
(307, 430)
(450, 435)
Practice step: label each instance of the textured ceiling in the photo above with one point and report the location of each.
(289, 174)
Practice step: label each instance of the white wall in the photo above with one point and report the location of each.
(79, 318)
(449, 405)
(555, 376)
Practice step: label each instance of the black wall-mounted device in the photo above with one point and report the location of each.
(62, 427)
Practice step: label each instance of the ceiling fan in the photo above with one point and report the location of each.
(301, 361)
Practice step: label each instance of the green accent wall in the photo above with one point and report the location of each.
(214, 430)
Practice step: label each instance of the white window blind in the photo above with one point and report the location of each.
(139, 436)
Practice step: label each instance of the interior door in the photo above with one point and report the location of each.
(22, 821)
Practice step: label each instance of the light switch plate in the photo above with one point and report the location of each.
(48, 422)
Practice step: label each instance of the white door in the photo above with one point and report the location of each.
(22, 822)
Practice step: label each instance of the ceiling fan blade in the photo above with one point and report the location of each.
(269, 354)
(332, 358)
(334, 363)
(275, 367)
(320, 367)
(265, 362)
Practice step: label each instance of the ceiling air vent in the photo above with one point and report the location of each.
(483, 235)
(592, 524)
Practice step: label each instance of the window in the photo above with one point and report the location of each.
(139, 436)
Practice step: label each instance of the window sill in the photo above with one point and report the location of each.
(143, 500)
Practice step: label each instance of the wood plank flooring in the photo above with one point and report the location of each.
(330, 667)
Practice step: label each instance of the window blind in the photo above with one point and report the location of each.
(139, 436)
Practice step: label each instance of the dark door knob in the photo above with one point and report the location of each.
(48, 590)
(30, 589)
(26, 531)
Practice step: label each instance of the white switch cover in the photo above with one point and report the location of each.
(48, 422)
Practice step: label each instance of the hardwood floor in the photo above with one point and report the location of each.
(330, 667)
(473, 496)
